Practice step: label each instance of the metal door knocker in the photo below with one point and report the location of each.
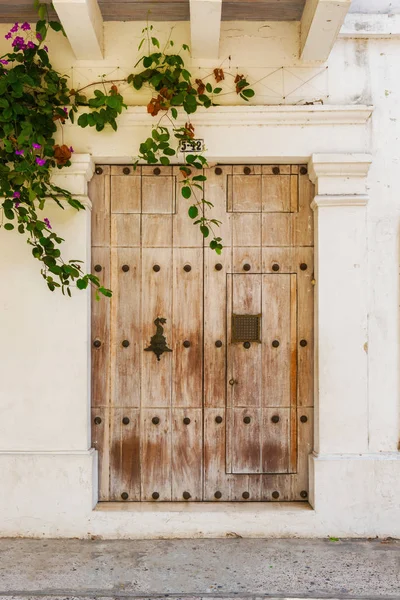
(158, 342)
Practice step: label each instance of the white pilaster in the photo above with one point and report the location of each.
(341, 302)
(44, 392)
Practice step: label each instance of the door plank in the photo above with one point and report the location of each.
(184, 234)
(99, 193)
(215, 340)
(124, 454)
(303, 221)
(126, 193)
(156, 454)
(187, 379)
(244, 191)
(215, 269)
(157, 191)
(125, 230)
(187, 454)
(305, 424)
(100, 357)
(276, 194)
(215, 478)
(275, 440)
(246, 440)
(276, 329)
(246, 229)
(305, 391)
(156, 303)
(126, 327)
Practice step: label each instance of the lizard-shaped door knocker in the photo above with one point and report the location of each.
(158, 342)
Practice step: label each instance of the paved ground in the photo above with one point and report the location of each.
(234, 568)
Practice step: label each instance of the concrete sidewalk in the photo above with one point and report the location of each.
(238, 568)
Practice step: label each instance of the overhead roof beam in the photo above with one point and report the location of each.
(83, 26)
(205, 28)
(320, 26)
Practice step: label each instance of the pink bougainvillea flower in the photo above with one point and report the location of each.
(39, 37)
(19, 152)
(47, 222)
(25, 26)
(36, 146)
(15, 28)
(19, 43)
(40, 161)
(17, 195)
(71, 149)
(31, 45)
(65, 109)
(8, 36)
(3, 61)
(45, 48)
(17, 204)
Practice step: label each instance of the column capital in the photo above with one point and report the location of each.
(76, 177)
(340, 175)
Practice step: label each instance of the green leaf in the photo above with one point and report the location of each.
(186, 192)
(147, 62)
(174, 113)
(113, 101)
(83, 120)
(204, 230)
(9, 226)
(186, 75)
(105, 292)
(56, 26)
(169, 152)
(209, 87)
(193, 211)
(248, 93)
(199, 178)
(82, 284)
(155, 42)
(164, 161)
(217, 90)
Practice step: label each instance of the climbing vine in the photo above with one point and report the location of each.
(35, 101)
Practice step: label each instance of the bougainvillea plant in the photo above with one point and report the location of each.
(35, 101)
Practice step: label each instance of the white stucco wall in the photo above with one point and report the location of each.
(48, 471)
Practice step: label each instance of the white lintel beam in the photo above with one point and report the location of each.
(83, 25)
(205, 28)
(320, 26)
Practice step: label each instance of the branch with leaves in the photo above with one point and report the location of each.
(35, 101)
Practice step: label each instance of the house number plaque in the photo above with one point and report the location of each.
(191, 146)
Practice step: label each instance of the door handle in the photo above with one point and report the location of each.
(233, 381)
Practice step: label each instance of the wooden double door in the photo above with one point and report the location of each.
(225, 412)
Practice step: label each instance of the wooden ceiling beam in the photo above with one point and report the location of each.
(320, 26)
(205, 28)
(83, 26)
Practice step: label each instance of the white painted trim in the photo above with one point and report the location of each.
(28, 453)
(370, 26)
(338, 165)
(320, 26)
(339, 200)
(76, 177)
(83, 25)
(205, 28)
(201, 507)
(238, 116)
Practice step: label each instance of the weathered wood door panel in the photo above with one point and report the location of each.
(225, 413)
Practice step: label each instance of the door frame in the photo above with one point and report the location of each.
(334, 142)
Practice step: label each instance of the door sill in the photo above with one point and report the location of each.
(203, 507)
